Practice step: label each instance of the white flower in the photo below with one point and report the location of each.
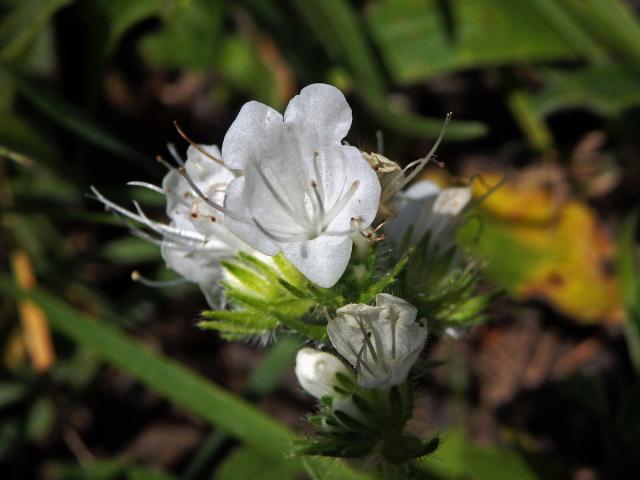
(196, 240)
(381, 342)
(316, 372)
(424, 207)
(302, 191)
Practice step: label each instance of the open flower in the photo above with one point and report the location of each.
(196, 240)
(302, 192)
(424, 207)
(382, 342)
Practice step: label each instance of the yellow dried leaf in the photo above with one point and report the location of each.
(539, 244)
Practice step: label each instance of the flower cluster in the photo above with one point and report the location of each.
(286, 187)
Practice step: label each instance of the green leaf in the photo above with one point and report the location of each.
(242, 67)
(262, 380)
(566, 27)
(608, 91)
(189, 38)
(338, 28)
(610, 23)
(416, 43)
(106, 469)
(11, 392)
(275, 362)
(130, 250)
(70, 117)
(124, 14)
(370, 293)
(458, 458)
(20, 29)
(629, 275)
(40, 419)
(186, 389)
(536, 130)
(247, 464)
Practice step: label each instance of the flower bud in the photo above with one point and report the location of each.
(316, 372)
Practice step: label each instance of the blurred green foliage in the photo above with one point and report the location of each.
(56, 137)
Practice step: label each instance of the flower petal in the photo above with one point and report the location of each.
(316, 372)
(413, 205)
(254, 134)
(319, 115)
(350, 167)
(240, 215)
(322, 260)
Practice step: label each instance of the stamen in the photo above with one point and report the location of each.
(274, 193)
(279, 238)
(147, 185)
(394, 321)
(340, 204)
(164, 229)
(141, 217)
(425, 160)
(378, 340)
(367, 341)
(321, 211)
(136, 277)
(317, 170)
(195, 145)
(183, 171)
(360, 363)
(166, 164)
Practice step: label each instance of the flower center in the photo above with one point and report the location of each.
(310, 215)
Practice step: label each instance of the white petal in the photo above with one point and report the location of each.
(345, 333)
(320, 115)
(200, 267)
(412, 205)
(254, 134)
(316, 372)
(364, 203)
(322, 260)
(240, 216)
(451, 201)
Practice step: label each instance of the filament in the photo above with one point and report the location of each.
(195, 145)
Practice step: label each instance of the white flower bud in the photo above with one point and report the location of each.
(381, 342)
(316, 372)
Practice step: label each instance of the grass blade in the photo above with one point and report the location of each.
(186, 389)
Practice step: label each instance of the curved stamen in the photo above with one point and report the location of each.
(367, 341)
(149, 186)
(196, 146)
(142, 218)
(166, 229)
(290, 238)
(340, 204)
(183, 171)
(295, 216)
(422, 162)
